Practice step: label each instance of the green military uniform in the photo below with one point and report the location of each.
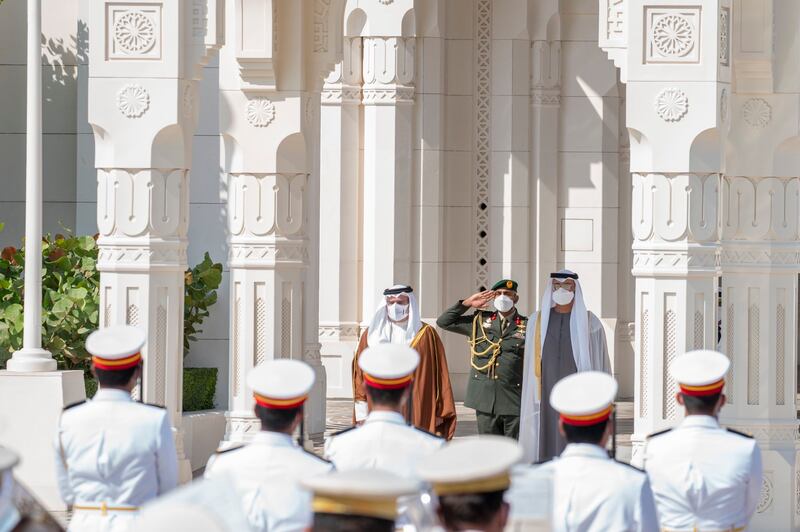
(497, 348)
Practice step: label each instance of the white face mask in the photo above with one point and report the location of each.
(562, 296)
(397, 312)
(503, 303)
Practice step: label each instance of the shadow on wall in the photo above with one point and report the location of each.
(59, 60)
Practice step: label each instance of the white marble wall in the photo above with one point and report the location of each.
(447, 140)
(60, 60)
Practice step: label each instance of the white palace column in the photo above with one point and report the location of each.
(760, 253)
(388, 50)
(676, 139)
(270, 75)
(145, 61)
(339, 286)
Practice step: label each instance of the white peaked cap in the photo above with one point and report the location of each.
(364, 492)
(699, 368)
(583, 394)
(472, 465)
(281, 380)
(8, 459)
(389, 361)
(116, 342)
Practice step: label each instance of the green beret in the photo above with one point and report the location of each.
(508, 284)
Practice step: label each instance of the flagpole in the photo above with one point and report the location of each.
(32, 357)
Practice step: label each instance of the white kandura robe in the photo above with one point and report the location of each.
(597, 359)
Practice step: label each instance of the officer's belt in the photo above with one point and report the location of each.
(730, 529)
(103, 508)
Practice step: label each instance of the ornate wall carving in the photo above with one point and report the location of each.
(767, 495)
(731, 345)
(142, 202)
(236, 340)
(753, 348)
(388, 69)
(260, 317)
(757, 112)
(686, 207)
(643, 361)
(133, 100)
(260, 112)
(780, 351)
(267, 204)
(671, 104)
(483, 113)
(615, 20)
(134, 31)
(760, 209)
(670, 353)
(160, 354)
(672, 34)
(724, 36)
(321, 8)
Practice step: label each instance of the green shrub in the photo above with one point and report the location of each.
(71, 298)
(199, 385)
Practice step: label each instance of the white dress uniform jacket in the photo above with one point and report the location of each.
(115, 452)
(266, 474)
(592, 492)
(704, 477)
(385, 442)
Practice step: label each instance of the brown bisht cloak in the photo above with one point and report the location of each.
(432, 395)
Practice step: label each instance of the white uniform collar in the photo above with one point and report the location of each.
(387, 416)
(586, 450)
(112, 394)
(709, 422)
(276, 439)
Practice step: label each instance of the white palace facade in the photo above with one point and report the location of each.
(326, 149)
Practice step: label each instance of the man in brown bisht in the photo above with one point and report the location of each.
(397, 321)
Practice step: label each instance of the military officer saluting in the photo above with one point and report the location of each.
(267, 471)
(704, 477)
(113, 454)
(497, 344)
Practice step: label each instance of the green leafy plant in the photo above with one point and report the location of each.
(201, 283)
(71, 298)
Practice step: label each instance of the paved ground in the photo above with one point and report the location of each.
(339, 412)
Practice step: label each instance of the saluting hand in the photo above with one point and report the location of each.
(479, 300)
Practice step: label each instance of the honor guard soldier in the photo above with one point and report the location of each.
(114, 454)
(497, 344)
(19, 511)
(384, 441)
(266, 472)
(704, 477)
(591, 491)
(470, 478)
(361, 499)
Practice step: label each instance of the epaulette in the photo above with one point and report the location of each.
(348, 429)
(659, 433)
(229, 449)
(739, 433)
(629, 465)
(429, 433)
(73, 405)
